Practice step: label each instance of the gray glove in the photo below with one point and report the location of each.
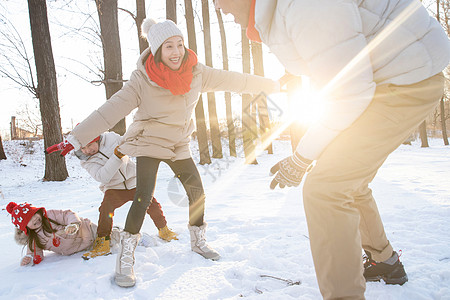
(289, 171)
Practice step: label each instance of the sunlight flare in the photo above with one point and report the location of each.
(308, 105)
(311, 105)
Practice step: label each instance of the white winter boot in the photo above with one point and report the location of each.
(124, 276)
(198, 242)
(147, 240)
(115, 236)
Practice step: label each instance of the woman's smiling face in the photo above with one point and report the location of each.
(172, 52)
(35, 222)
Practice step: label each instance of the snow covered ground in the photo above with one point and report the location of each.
(256, 230)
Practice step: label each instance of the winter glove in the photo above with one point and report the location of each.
(71, 229)
(289, 171)
(65, 146)
(118, 153)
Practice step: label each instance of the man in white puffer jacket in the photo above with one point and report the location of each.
(378, 65)
(117, 176)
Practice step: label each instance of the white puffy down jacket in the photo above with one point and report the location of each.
(111, 171)
(347, 47)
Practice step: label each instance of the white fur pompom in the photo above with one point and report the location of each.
(145, 27)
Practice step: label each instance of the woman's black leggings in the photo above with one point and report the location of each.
(147, 168)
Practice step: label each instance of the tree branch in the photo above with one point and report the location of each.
(128, 12)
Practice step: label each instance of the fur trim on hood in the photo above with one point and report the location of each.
(20, 237)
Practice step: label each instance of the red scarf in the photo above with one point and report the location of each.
(178, 81)
(251, 32)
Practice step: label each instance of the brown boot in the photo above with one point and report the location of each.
(166, 234)
(101, 247)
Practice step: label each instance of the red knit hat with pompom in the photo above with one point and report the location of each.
(21, 214)
(94, 140)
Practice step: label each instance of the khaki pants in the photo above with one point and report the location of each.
(341, 213)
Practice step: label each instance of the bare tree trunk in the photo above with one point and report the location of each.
(202, 136)
(140, 16)
(296, 129)
(248, 135)
(2, 152)
(423, 134)
(109, 27)
(442, 107)
(444, 126)
(13, 128)
(171, 10)
(229, 112)
(263, 111)
(212, 111)
(138, 19)
(47, 91)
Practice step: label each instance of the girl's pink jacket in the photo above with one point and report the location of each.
(82, 240)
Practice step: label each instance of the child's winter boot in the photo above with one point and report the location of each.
(390, 270)
(198, 242)
(147, 240)
(115, 236)
(124, 275)
(101, 247)
(166, 234)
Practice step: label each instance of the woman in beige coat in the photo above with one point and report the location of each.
(165, 88)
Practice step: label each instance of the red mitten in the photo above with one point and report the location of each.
(65, 148)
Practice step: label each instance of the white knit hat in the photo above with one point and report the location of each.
(157, 33)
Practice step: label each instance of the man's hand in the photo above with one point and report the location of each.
(289, 171)
(65, 147)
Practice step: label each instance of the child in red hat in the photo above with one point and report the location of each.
(60, 231)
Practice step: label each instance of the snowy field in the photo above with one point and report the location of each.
(257, 231)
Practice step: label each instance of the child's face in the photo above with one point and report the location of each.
(90, 149)
(35, 222)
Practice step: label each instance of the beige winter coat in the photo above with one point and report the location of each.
(70, 244)
(163, 123)
(111, 171)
